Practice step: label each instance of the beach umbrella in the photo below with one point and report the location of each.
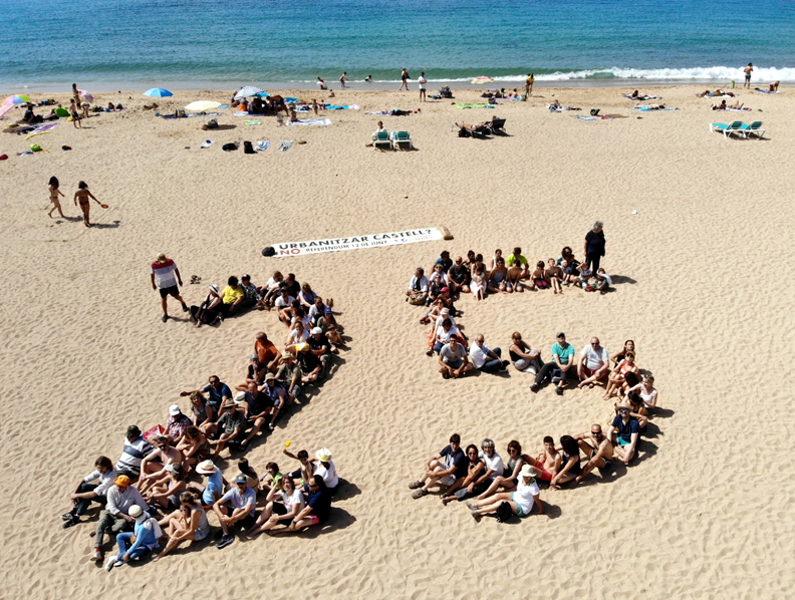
(87, 95)
(17, 99)
(202, 105)
(158, 93)
(482, 79)
(250, 90)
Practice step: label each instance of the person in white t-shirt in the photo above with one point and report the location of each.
(284, 503)
(594, 364)
(327, 470)
(522, 499)
(484, 358)
(418, 287)
(422, 81)
(442, 335)
(284, 305)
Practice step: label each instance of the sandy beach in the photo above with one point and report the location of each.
(691, 221)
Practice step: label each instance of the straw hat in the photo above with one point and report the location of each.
(206, 467)
(323, 455)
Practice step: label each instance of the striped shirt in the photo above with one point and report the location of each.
(132, 454)
(164, 273)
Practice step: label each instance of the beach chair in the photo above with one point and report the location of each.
(382, 141)
(754, 128)
(402, 140)
(728, 130)
(496, 125)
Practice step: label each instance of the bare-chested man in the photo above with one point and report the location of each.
(596, 447)
(748, 70)
(548, 462)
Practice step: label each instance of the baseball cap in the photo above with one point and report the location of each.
(317, 331)
(241, 480)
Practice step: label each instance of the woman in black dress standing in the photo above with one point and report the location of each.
(595, 246)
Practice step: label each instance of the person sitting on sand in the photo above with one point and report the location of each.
(647, 393)
(195, 448)
(443, 468)
(598, 450)
(153, 466)
(87, 491)
(518, 259)
(548, 462)
(176, 424)
(289, 376)
(242, 501)
(269, 356)
(522, 501)
(82, 196)
(560, 368)
(319, 344)
(135, 449)
(142, 540)
(332, 330)
(165, 494)
(478, 283)
(284, 305)
(569, 462)
(594, 364)
(538, 279)
(116, 517)
(603, 280)
(418, 287)
(498, 278)
(311, 368)
(619, 373)
(187, 523)
(216, 484)
(317, 509)
(298, 333)
(53, 185)
(625, 433)
(510, 478)
(209, 311)
(554, 275)
(523, 357)
(232, 424)
(321, 84)
(270, 291)
(442, 335)
(232, 297)
(203, 412)
(326, 470)
(464, 487)
(256, 409)
(458, 278)
(485, 359)
(307, 468)
(454, 360)
(255, 373)
(284, 502)
(277, 398)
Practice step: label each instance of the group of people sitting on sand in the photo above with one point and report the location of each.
(164, 460)
(490, 484)
(449, 279)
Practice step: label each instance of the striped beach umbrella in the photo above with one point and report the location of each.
(17, 99)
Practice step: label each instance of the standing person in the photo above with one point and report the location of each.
(404, 78)
(82, 196)
(595, 246)
(748, 70)
(422, 81)
(165, 277)
(343, 79)
(76, 94)
(74, 115)
(528, 85)
(54, 193)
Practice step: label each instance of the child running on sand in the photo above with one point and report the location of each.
(54, 193)
(82, 196)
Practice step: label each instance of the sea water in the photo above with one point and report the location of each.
(136, 44)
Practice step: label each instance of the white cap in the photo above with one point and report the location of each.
(317, 331)
(174, 410)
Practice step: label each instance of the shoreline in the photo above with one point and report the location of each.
(124, 87)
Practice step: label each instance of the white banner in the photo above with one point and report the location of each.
(356, 243)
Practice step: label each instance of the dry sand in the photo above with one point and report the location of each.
(702, 289)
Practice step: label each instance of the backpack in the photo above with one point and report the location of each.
(229, 147)
(504, 512)
(269, 251)
(248, 148)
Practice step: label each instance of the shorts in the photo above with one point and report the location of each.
(520, 512)
(315, 520)
(623, 441)
(169, 291)
(447, 480)
(455, 363)
(748, 77)
(544, 475)
(279, 509)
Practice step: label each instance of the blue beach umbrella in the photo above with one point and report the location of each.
(17, 99)
(158, 93)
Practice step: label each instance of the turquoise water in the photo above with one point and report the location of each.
(49, 43)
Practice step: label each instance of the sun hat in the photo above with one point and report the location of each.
(206, 467)
(527, 471)
(161, 257)
(214, 288)
(174, 410)
(135, 511)
(323, 455)
(241, 479)
(240, 397)
(317, 331)
(624, 404)
(122, 481)
(270, 377)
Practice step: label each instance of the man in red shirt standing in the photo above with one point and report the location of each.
(166, 278)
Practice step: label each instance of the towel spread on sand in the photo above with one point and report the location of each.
(42, 129)
(473, 105)
(761, 91)
(582, 118)
(252, 122)
(644, 97)
(262, 145)
(285, 145)
(649, 108)
(310, 122)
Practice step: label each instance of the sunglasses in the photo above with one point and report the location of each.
(624, 410)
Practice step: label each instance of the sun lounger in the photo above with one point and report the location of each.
(496, 125)
(402, 140)
(480, 130)
(382, 141)
(728, 130)
(754, 128)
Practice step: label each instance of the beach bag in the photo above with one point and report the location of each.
(268, 251)
(229, 147)
(504, 512)
(180, 113)
(417, 300)
(248, 148)
(35, 147)
(212, 124)
(594, 112)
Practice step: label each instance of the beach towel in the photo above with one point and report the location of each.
(310, 122)
(761, 91)
(738, 109)
(346, 107)
(262, 145)
(285, 145)
(583, 118)
(641, 98)
(649, 108)
(42, 129)
(224, 106)
(207, 143)
(252, 122)
(473, 105)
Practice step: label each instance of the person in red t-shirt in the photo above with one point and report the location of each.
(268, 354)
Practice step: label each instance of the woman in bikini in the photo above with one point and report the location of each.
(54, 193)
(82, 198)
(629, 346)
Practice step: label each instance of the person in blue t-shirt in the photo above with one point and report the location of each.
(625, 433)
(215, 482)
(444, 468)
(218, 392)
(561, 368)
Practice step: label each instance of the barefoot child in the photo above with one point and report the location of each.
(54, 193)
(538, 278)
(554, 274)
(82, 196)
